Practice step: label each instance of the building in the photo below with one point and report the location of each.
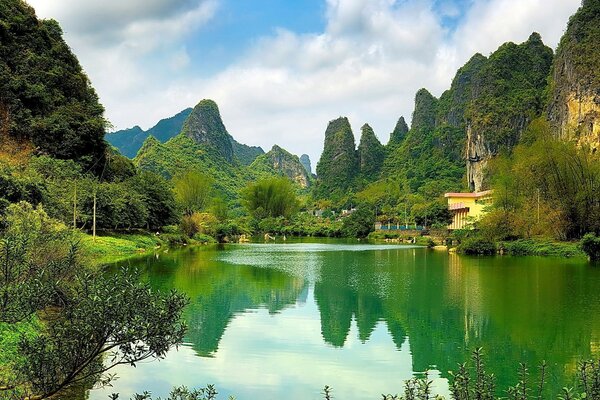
(467, 208)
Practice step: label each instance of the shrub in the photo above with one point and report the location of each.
(590, 244)
(477, 246)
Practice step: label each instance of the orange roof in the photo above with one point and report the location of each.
(475, 195)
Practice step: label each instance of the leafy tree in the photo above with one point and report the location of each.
(193, 191)
(158, 198)
(360, 223)
(96, 321)
(45, 96)
(434, 213)
(271, 197)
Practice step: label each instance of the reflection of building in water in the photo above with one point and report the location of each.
(464, 287)
(467, 208)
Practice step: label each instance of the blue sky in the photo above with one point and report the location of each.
(281, 69)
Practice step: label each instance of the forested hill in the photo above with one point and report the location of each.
(45, 97)
(451, 139)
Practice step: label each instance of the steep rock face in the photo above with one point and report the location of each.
(506, 93)
(338, 164)
(45, 97)
(399, 133)
(305, 161)
(425, 111)
(205, 127)
(370, 153)
(281, 162)
(129, 141)
(575, 83)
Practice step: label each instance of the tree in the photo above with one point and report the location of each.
(193, 191)
(270, 197)
(158, 198)
(360, 223)
(92, 322)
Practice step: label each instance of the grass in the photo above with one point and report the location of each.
(542, 247)
(10, 335)
(111, 248)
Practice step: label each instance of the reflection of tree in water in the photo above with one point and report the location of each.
(218, 292)
(516, 309)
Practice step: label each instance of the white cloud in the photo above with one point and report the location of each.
(367, 64)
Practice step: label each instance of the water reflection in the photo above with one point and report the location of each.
(433, 308)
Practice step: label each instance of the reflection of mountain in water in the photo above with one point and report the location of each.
(517, 309)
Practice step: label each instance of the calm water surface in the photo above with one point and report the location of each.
(275, 321)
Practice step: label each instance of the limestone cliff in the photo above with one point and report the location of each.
(370, 154)
(574, 107)
(399, 132)
(205, 127)
(305, 161)
(280, 162)
(338, 165)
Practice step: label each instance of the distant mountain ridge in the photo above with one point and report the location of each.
(130, 141)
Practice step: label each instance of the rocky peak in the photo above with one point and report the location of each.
(205, 126)
(370, 153)
(339, 162)
(282, 162)
(425, 111)
(305, 161)
(399, 133)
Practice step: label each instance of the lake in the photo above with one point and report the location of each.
(275, 321)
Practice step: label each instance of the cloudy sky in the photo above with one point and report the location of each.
(281, 69)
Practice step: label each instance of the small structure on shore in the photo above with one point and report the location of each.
(467, 208)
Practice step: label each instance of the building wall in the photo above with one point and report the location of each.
(467, 209)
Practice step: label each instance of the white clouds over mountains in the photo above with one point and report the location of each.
(367, 64)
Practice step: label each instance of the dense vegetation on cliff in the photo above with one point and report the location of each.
(45, 97)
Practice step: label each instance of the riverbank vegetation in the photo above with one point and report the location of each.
(65, 324)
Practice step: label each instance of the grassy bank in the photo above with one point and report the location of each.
(111, 248)
(523, 247)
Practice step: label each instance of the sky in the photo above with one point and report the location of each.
(280, 70)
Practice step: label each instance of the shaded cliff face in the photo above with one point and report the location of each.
(205, 127)
(503, 95)
(338, 165)
(281, 162)
(574, 107)
(370, 154)
(305, 161)
(399, 133)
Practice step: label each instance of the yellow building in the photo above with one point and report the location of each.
(467, 208)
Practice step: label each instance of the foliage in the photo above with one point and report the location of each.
(370, 154)
(590, 244)
(541, 247)
(159, 199)
(91, 322)
(477, 245)
(271, 197)
(199, 223)
(546, 187)
(46, 97)
(359, 223)
(435, 213)
(338, 165)
(193, 191)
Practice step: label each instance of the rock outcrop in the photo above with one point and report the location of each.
(574, 107)
(370, 154)
(281, 162)
(399, 133)
(305, 161)
(205, 127)
(338, 165)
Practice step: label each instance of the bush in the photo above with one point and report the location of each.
(590, 244)
(477, 246)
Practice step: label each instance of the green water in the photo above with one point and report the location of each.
(280, 321)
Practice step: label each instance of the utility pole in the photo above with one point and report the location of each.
(94, 218)
(538, 206)
(75, 207)
(405, 217)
